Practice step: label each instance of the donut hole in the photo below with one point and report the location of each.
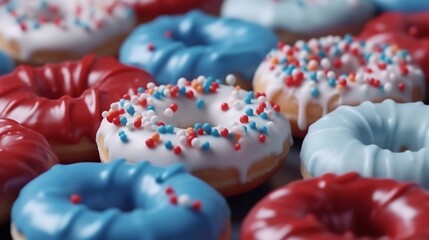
(101, 201)
(187, 38)
(55, 85)
(339, 217)
(391, 139)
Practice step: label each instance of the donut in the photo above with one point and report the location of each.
(340, 207)
(149, 10)
(408, 31)
(196, 44)
(43, 31)
(119, 201)
(233, 139)
(370, 139)
(6, 63)
(309, 79)
(24, 154)
(402, 6)
(302, 19)
(64, 101)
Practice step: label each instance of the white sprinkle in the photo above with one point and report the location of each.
(150, 85)
(183, 200)
(388, 87)
(147, 125)
(238, 105)
(331, 74)
(196, 143)
(154, 119)
(130, 125)
(150, 113)
(167, 92)
(168, 112)
(201, 79)
(262, 99)
(325, 63)
(114, 106)
(181, 133)
(230, 79)
(104, 114)
(181, 82)
(182, 140)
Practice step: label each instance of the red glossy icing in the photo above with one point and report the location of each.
(150, 9)
(64, 101)
(24, 154)
(409, 31)
(341, 207)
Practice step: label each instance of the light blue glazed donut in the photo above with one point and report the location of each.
(383, 140)
(403, 5)
(6, 63)
(119, 200)
(196, 44)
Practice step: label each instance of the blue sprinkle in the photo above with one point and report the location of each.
(348, 38)
(205, 146)
(140, 89)
(321, 54)
(207, 128)
(197, 126)
(248, 100)
(123, 120)
(36, 25)
(263, 129)
(122, 102)
(200, 103)
(131, 110)
(123, 136)
(182, 90)
(162, 130)
(218, 81)
(283, 60)
(215, 132)
(169, 128)
(315, 92)
(249, 112)
(306, 48)
(168, 144)
(231, 136)
(264, 115)
(313, 76)
(150, 107)
(252, 125)
(332, 82)
(245, 128)
(156, 94)
(206, 87)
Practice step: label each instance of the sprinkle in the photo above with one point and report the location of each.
(196, 205)
(244, 119)
(215, 132)
(123, 136)
(315, 92)
(224, 132)
(162, 130)
(252, 125)
(207, 128)
(168, 112)
(263, 129)
(224, 106)
(168, 144)
(177, 150)
(173, 107)
(205, 146)
(264, 115)
(401, 86)
(169, 128)
(75, 199)
(262, 138)
(200, 103)
(237, 147)
(230, 79)
(151, 47)
(196, 143)
(150, 143)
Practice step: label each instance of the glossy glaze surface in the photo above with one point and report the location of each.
(408, 31)
(382, 140)
(403, 5)
(24, 154)
(119, 201)
(64, 101)
(147, 10)
(303, 17)
(340, 207)
(197, 44)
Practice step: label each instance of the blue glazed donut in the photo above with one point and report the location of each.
(6, 64)
(381, 140)
(403, 5)
(196, 44)
(119, 200)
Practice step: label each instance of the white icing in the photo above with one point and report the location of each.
(358, 88)
(222, 153)
(302, 16)
(94, 27)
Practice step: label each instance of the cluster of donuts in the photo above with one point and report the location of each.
(118, 117)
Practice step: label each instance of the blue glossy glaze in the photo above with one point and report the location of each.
(199, 45)
(403, 5)
(6, 63)
(119, 201)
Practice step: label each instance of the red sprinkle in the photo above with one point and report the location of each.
(276, 107)
(137, 123)
(196, 205)
(337, 63)
(237, 147)
(224, 132)
(143, 102)
(401, 86)
(382, 66)
(177, 150)
(190, 94)
(173, 107)
(169, 190)
(262, 138)
(244, 119)
(150, 143)
(75, 199)
(151, 47)
(224, 106)
(173, 199)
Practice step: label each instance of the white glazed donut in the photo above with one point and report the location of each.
(313, 78)
(296, 19)
(40, 31)
(231, 138)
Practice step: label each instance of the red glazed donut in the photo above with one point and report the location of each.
(24, 154)
(64, 101)
(147, 10)
(341, 207)
(408, 31)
